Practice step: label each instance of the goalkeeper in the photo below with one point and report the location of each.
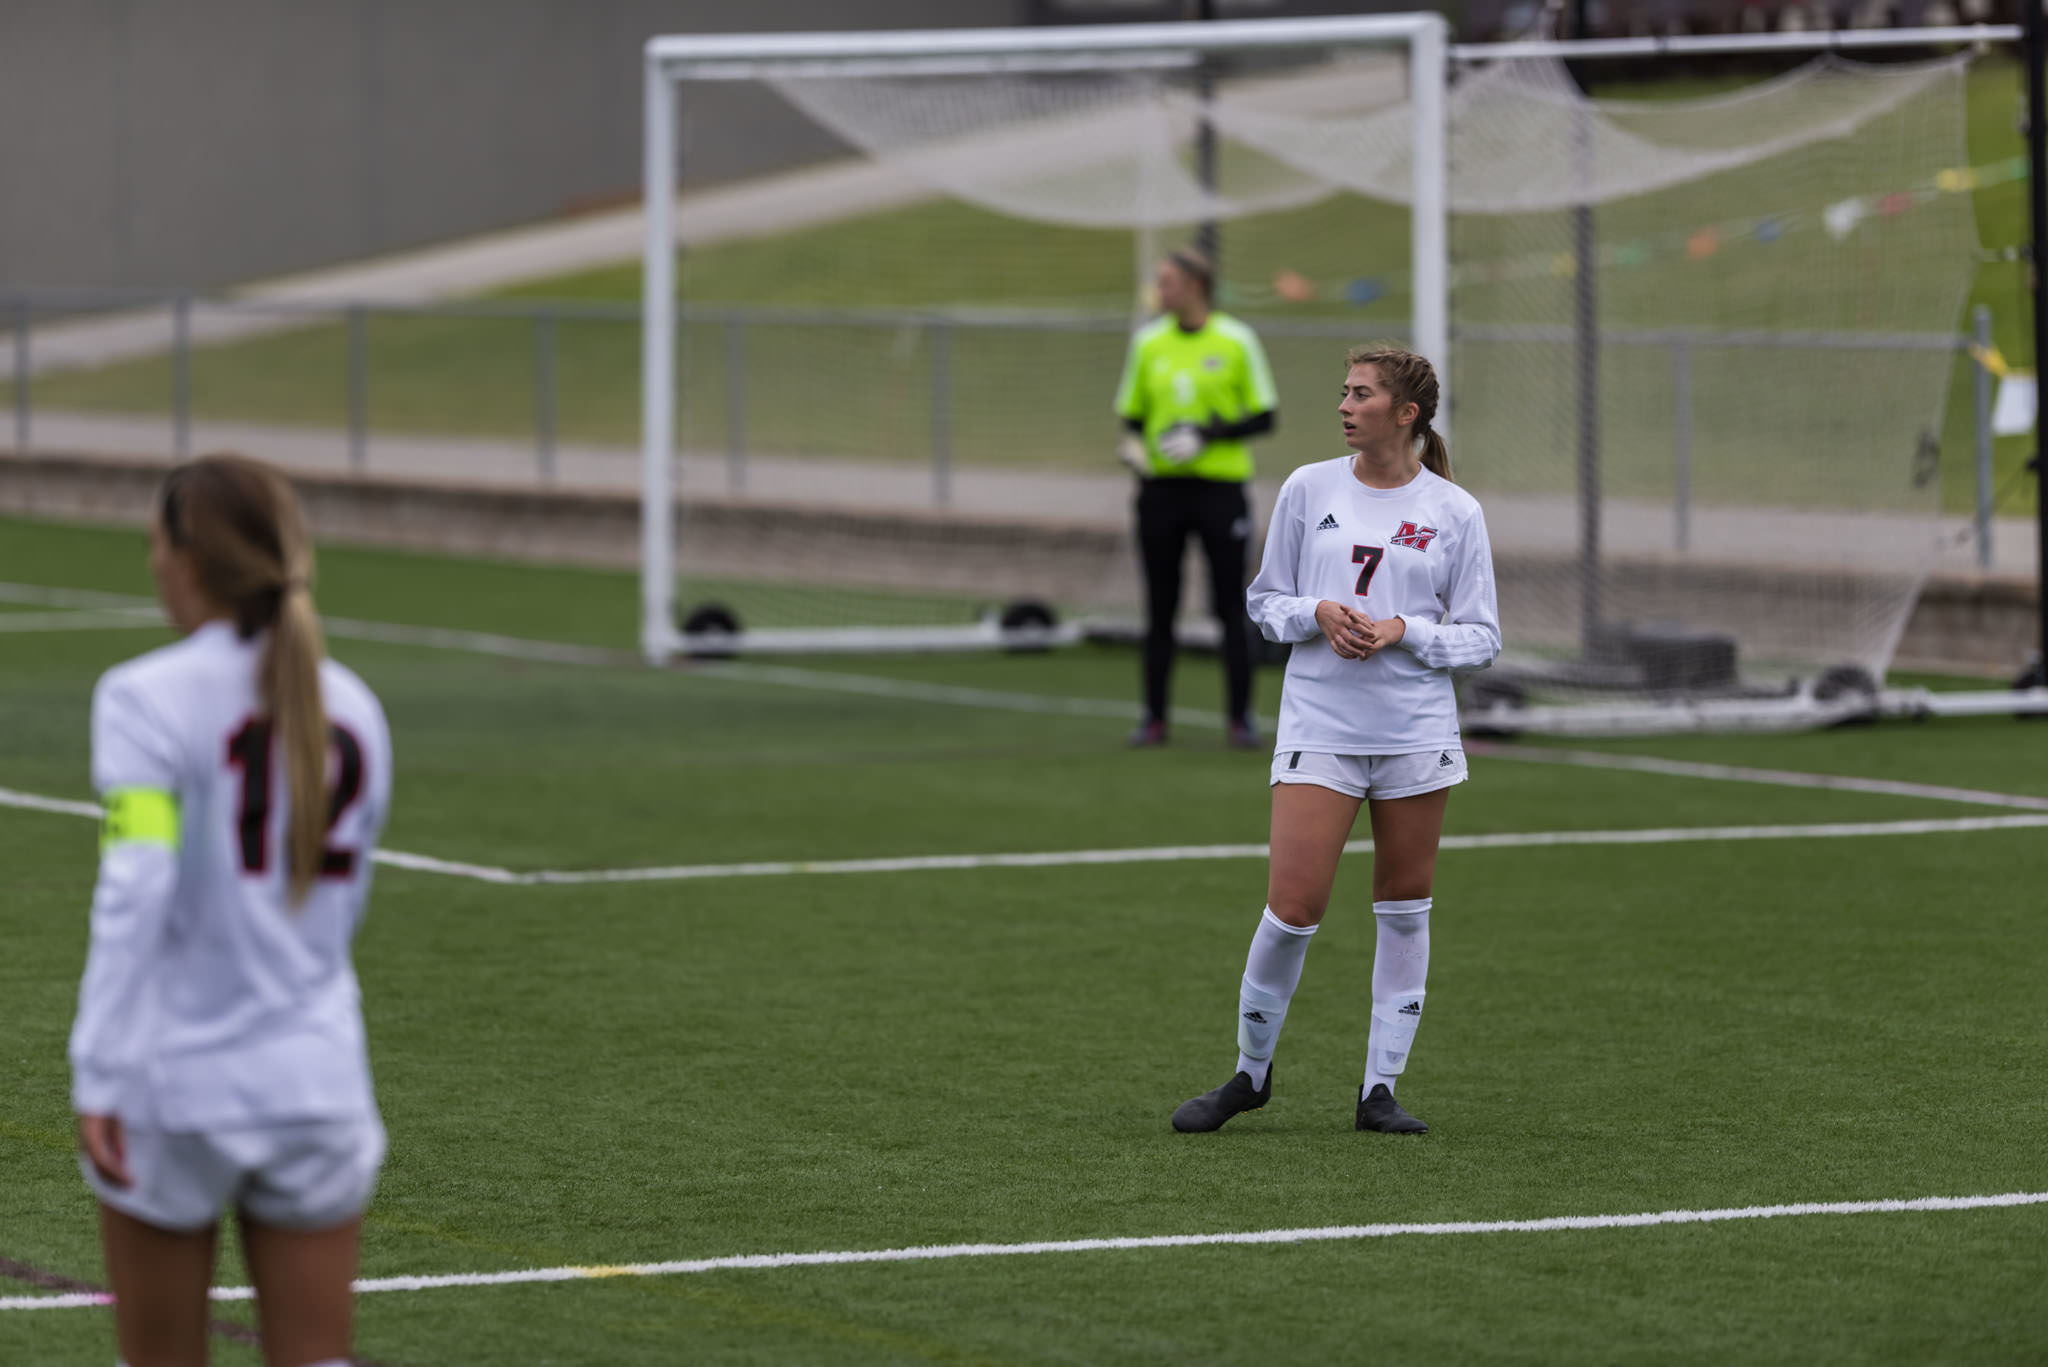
(1195, 386)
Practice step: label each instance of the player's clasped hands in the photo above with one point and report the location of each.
(1355, 636)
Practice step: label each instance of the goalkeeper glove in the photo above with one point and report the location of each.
(1181, 442)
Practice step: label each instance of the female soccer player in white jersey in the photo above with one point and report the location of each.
(1377, 567)
(218, 1056)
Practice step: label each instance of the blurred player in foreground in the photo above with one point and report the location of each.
(1195, 387)
(1377, 566)
(218, 1057)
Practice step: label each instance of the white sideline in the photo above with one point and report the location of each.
(1733, 773)
(911, 690)
(1154, 854)
(88, 619)
(748, 1262)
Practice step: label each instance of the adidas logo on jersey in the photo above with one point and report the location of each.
(1328, 524)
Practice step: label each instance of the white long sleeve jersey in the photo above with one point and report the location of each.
(1419, 553)
(208, 1000)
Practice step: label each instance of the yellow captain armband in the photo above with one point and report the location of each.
(139, 816)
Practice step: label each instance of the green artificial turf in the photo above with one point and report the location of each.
(601, 1075)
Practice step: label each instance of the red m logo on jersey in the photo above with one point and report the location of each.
(1410, 535)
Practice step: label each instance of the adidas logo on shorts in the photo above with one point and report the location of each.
(1443, 761)
(1328, 524)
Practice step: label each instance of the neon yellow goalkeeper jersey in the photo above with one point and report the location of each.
(1218, 372)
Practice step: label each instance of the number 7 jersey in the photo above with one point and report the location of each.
(209, 1001)
(1420, 553)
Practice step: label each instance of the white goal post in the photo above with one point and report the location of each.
(672, 59)
(1700, 343)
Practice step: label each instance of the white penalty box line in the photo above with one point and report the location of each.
(752, 1262)
(1166, 854)
(1156, 854)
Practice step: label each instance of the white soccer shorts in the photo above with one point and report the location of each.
(310, 1175)
(1373, 776)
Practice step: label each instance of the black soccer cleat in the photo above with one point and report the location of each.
(1377, 1110)
(1208, 1111)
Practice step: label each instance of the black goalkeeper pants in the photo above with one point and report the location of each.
(1169, 510)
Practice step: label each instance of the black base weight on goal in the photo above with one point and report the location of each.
(709, 619)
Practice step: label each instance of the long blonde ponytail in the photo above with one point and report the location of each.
(289, 683)
(240, 522)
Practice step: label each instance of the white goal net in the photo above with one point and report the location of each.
(892, 424)
(1697, 349)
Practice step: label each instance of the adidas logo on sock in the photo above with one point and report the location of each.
(1328, 524)
(1412, 1009)
(1256, 1019)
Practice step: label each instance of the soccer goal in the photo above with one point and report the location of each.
(892, 423)
(1696, 351)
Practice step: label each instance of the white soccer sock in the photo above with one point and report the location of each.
(1271, 973)
(1400, 970)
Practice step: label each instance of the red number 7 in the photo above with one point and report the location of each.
(1370, 557)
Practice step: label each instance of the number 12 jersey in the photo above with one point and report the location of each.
(209, 1001)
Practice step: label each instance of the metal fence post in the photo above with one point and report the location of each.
(181, 376)
(1980, 319)
(358, 390)
(544, 392)
(735, 404)
(942, 413)
(21, 380)
(1681, 436)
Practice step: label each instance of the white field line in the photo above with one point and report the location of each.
(35, 802)
(440, 638)
(910, 690)
(522, 648)
(90, 619)
(750, 1262)
(1732, 773)
(1155, 854)
(1185, 853)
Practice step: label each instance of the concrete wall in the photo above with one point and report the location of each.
(211, 141)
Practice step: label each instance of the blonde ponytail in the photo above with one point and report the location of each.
(290, 684)
(240, 522)
(1436, 457)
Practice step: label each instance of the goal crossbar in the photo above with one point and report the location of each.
(708, 56)
(1706, 44)
(670, 59)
